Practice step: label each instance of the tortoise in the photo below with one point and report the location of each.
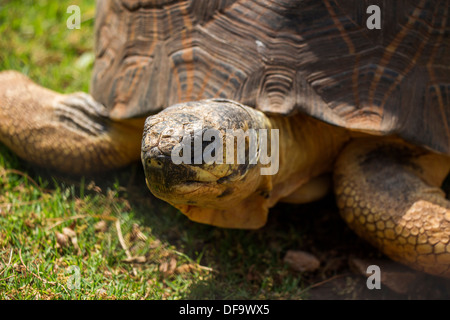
(364, 112)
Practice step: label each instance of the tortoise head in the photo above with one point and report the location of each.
(191, 162)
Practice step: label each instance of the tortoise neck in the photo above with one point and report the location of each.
(307, 149)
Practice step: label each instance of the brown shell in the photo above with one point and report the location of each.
(282, 56)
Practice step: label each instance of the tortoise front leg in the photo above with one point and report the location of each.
(388, 192)
(69, 133)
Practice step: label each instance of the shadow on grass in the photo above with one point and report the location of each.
(249, 264)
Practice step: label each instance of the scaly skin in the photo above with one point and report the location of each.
(388, 192)
(68, 133)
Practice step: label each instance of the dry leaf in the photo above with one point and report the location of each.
(137, 234)
(101, 226)
(172, 265)
(75, 245)
(69, 232)
(19, 268)
(73, 224)
(29, 223)
(163, 267)
(102, 293)
(185, 268)
(155, 244)
(301, 261)
(73, 238)
(62, 240)
(138, 259)
(168, 267)
(93, 187)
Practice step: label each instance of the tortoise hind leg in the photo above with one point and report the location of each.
(388, 193)
(69, 133)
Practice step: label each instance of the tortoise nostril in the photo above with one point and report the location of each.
(154, 158)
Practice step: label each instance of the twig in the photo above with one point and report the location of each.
(123, 244)
(318, 284)
(20, 173)
(181, 254)
(26, 203)
(9, 262)
(81, 216)
(147, 294)
(37, 276)
(28, 270)
(4, 279)
(205, 268)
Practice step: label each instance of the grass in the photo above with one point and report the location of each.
(108, 229)
(52, 225)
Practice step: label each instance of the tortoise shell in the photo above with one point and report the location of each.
(282, 57)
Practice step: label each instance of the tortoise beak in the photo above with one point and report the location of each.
(165, 177)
